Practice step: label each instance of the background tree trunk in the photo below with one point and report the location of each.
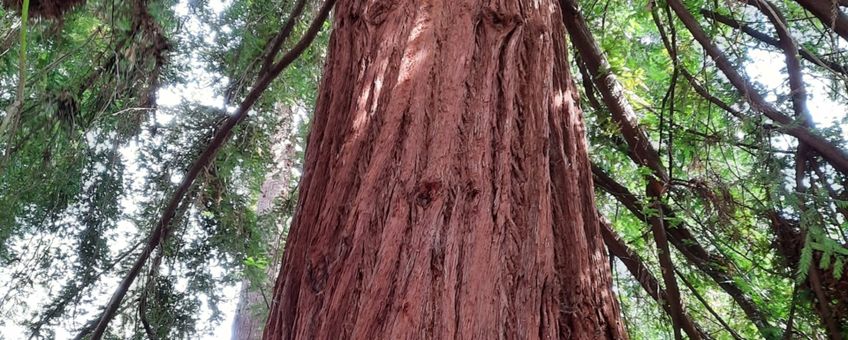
(251, 311)
(447, 191)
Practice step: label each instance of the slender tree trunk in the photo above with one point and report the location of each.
(251, 311)
(247, 323)
(447, 191)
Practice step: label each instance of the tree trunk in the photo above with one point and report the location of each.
(447, 191)
(251, 311)
(247, 322)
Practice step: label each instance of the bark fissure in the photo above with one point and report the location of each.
(460, 198)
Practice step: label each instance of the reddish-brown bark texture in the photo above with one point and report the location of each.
(447, 191)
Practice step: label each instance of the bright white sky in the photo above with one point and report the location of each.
(768, 69)
(198, 90)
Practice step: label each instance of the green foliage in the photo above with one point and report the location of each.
(728, 173)
(95, 157)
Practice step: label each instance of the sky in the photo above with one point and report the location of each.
(823, 110)
(196, 90)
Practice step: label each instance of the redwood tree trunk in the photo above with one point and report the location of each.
(447, 191)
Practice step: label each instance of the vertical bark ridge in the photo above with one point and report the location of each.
(447, 190)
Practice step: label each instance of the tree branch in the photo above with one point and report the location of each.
(203, 160)
(829, 14)
(618, 248)
(274, 46)
(708, 307)
(765, 38)
(679, 235)
(833, 154)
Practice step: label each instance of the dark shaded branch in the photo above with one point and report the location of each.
(142, 300)
(657, 223)
(618, 248)
(203, 160)
(766, 38)
(588, 85)
(823, 304)
(679, 236)
(830, 152)
(787, 334)
(88, 327)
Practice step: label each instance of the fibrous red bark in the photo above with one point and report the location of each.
(447, 191)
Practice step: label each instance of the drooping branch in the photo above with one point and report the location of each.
(829, 14)
(707, 306)
(713, 265)
(830, 152)
(618, 248)
(705, 93)
(797, 88)
(768, 39)
(203, 160)
(802, 158)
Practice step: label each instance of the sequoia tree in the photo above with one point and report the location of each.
(447, 191)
